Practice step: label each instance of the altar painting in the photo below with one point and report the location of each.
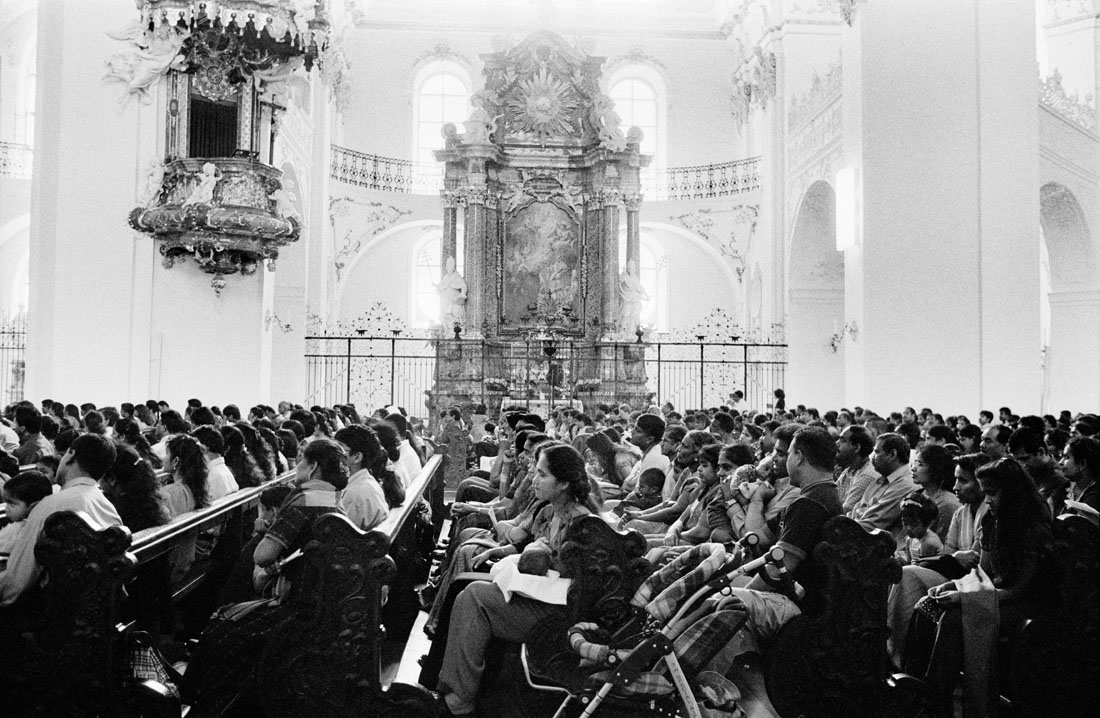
(541, 258)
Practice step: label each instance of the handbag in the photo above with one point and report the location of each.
(145, 662)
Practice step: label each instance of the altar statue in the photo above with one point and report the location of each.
(631, 296)
(452, 296)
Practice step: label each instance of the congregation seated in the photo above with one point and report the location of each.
(776, 482)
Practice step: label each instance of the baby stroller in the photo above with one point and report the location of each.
(653, 659)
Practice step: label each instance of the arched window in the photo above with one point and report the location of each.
(653, 274)
(442, 95)
(639, 95)
(426, 273)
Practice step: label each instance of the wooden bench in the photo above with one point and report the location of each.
(1050, 669)
(330, 664)
(72, 660)
(835, 663)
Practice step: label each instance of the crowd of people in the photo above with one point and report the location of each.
(958, 498)
(143, 467)
(955, 496)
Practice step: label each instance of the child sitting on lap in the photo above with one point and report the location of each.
(918, 513)
(646, 495)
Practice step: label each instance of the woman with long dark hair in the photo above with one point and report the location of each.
(186, 463)
(128, 432)
(239, 459)
(481, 612)
(1016, 544)
(383, 467)
(258, 450)
(131, 485)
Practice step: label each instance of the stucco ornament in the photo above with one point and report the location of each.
(152, 53)
(753, 85)
(544, 106)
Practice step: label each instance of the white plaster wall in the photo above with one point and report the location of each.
(83, 255)
(209, 347)
(945, 136)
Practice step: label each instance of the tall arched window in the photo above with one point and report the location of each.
(639, 95)
(653, 274)
(442, 96)
(426, 273)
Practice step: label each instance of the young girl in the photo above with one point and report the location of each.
(918, 514)
(21, 493)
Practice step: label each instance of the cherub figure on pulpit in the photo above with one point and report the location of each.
(452, 296)
(631, 296)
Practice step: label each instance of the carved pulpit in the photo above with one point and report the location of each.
(546, 180)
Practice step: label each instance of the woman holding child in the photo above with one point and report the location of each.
(481, 611)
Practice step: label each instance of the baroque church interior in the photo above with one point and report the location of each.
(902, 193)
(450, 213)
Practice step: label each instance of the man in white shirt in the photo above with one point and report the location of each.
(362, 499)
(646, 435)
(88, 459)
(219, 479)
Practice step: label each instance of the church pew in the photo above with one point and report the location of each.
(331, 664)
(71, 657)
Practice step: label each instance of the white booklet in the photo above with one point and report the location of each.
(551, 588)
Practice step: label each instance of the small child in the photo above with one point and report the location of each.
(271, 500)
(47, 465)
(648, 493)
(918, 513)
(21, 493)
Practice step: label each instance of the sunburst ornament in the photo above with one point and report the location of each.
(543, 107)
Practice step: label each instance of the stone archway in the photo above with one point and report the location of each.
(815, 303)
(1071, 380)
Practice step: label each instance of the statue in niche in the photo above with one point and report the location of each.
(631, 296)
(204, 191)
(452, 296)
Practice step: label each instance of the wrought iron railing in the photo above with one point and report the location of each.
(373, 372)
(702, 181)
(387, 174)
(16, 160)
(13, 349)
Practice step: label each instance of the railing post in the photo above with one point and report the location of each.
(660, 396)
(702, 397)
(482, 342)
(347, 370)
(745, 371)
(393, 369)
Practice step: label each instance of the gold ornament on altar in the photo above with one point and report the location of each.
(544, 107)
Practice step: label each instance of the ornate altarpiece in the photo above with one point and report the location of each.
(545, 178)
